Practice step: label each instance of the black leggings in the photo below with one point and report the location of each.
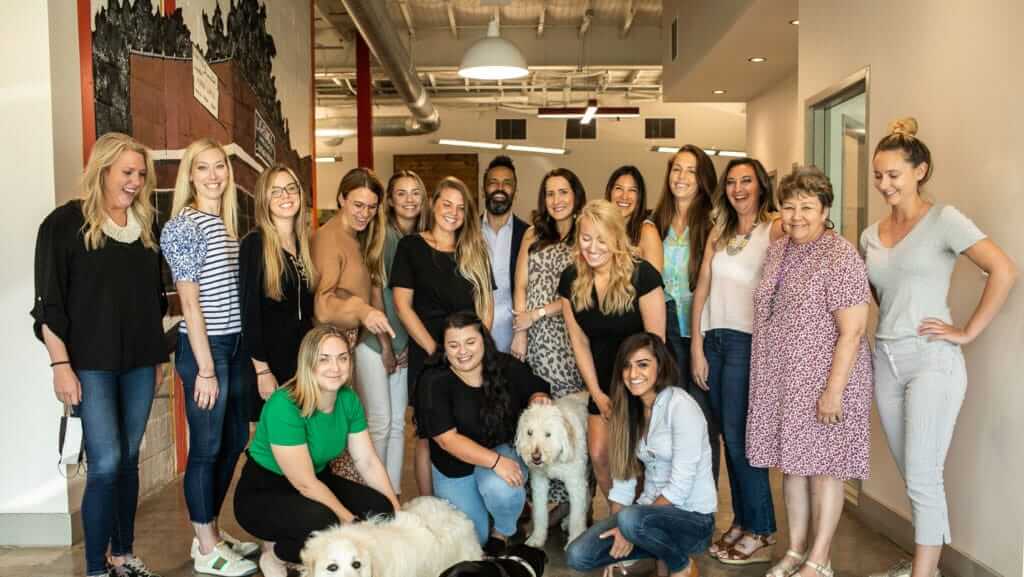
(271, 509)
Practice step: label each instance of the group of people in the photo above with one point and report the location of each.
(731, 314)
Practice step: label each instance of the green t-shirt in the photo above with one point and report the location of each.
(324, 434)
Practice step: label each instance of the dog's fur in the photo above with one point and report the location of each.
(552, 440)
(508, 565)
(424, 538)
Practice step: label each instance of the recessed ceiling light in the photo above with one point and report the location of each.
(719, 91)
(757, 59)
(795, 22)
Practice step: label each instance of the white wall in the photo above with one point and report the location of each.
(618, 142)
(953, 66)
(40, 105)
(773, 133)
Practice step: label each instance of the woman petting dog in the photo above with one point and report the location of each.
(286, 490)
(468, 406)
(658, 431)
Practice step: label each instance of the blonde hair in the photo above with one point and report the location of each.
(903, 137)
(273, 261)
(471, 255)
(105, 152)
(618, 298)
(371, 239)
(303, 388)
(185, 192)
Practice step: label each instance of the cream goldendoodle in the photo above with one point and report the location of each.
(425, 537)
(552, 440)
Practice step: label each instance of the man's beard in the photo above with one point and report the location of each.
(499, 207)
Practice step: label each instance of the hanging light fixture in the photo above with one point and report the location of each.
(493, 58)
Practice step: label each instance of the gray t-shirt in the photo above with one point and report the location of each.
(911, 279)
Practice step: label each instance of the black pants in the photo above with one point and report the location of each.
(271, 509)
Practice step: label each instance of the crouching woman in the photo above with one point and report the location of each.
(286, 490)
(469, 406)
(658, 431)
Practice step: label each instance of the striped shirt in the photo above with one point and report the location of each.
(198, 249)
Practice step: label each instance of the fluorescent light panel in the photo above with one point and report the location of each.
(334, 132)
(470, 143)
(540, 149)
(326, 159)
(732, 153)
(588, 115)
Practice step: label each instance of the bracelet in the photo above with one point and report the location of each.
(543, 312)
(55, 363)
(213, 376)
(263, 372)
(496, 461)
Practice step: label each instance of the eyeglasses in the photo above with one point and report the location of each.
(291, 190)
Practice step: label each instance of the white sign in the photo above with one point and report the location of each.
(265, 148)
(204, 83)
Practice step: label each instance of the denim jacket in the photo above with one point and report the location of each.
(676, 457)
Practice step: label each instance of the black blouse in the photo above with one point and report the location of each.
(271, 330)
(106, 304)
(445, 402)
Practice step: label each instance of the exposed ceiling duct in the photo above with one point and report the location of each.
(374, 24)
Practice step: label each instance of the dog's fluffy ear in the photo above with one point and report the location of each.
(315, 549)
(570, 437)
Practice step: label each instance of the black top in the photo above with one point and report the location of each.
(438, 290)
(444, 402)
(606, 332)
(271, 330)
(105, 304)
(519, 228)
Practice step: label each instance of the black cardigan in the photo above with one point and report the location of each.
(105, 304)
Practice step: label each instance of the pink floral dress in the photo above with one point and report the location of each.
(795, 335)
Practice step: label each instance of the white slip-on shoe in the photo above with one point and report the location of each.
(223, 562)
(243, 548)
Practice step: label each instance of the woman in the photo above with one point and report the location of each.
(626, 190)
(286, 490)
(810, 375)
(683, 218)
(200, 244)
(98, 309)
(277, 280)
(607, 295)
(440, 271)
(382, 362)
(910, 256)
(469, 407)
(720, 336)
(657, 431)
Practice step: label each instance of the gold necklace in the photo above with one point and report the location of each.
(737, 243)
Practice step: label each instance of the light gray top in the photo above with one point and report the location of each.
(911, 279)
(676, 457)
(499, 245)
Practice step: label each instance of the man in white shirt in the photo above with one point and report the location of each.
(503, 231)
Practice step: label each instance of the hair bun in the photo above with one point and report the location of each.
(906, 126)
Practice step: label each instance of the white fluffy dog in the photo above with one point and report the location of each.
(552, 440)
(427, 536)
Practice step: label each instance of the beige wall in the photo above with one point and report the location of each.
(953, 66)
(773, 132)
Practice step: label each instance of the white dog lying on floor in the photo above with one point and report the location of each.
(427, 536)
(552, 440)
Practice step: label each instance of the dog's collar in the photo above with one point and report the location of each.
(521, 561)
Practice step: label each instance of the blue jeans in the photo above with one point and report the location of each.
(728, 355)
(484, 493)
(217, 436)
(114, 411)
(661, 532)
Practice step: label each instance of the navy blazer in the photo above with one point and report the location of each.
(519, 227)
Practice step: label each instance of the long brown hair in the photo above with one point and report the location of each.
(273, 258)
(698, 216)
(635, 223)
(544, 225)
(371, 239)
(105, 152)
(725, 216)
(389, 204)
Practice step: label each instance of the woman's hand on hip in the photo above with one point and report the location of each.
(939, 330)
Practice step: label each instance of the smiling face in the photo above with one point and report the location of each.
(285, 196)
(682, 176)
(625, 195)
(123, 180)
(407, 198)
(333, 364)
(358, 208)
(897, 179)
(209, 174)
(804, 217)
(499, 190)
(464, 348)
(640, 374)
(449, 210)
(594, 244)
(742, 189)
(559, 199)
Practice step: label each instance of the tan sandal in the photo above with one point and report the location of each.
(821, 570)
(725, 541)
(786, 569)
(762, 553)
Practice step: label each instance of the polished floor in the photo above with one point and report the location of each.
(163, 536)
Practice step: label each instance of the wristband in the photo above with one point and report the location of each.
(55, 363)
(496, 461)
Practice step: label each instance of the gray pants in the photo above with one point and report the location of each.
(919, 387)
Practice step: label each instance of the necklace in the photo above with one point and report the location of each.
(737, 243)
(300, 268)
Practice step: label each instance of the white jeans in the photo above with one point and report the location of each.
(384, 398)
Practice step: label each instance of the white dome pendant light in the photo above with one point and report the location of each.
(493, 58)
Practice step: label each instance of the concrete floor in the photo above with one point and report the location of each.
(163, 535)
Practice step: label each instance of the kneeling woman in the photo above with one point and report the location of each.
(469, 406)
(658, 431)
(286, 490)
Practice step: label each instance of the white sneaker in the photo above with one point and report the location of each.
(243, 548)
(223, 562)
(901, 569)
